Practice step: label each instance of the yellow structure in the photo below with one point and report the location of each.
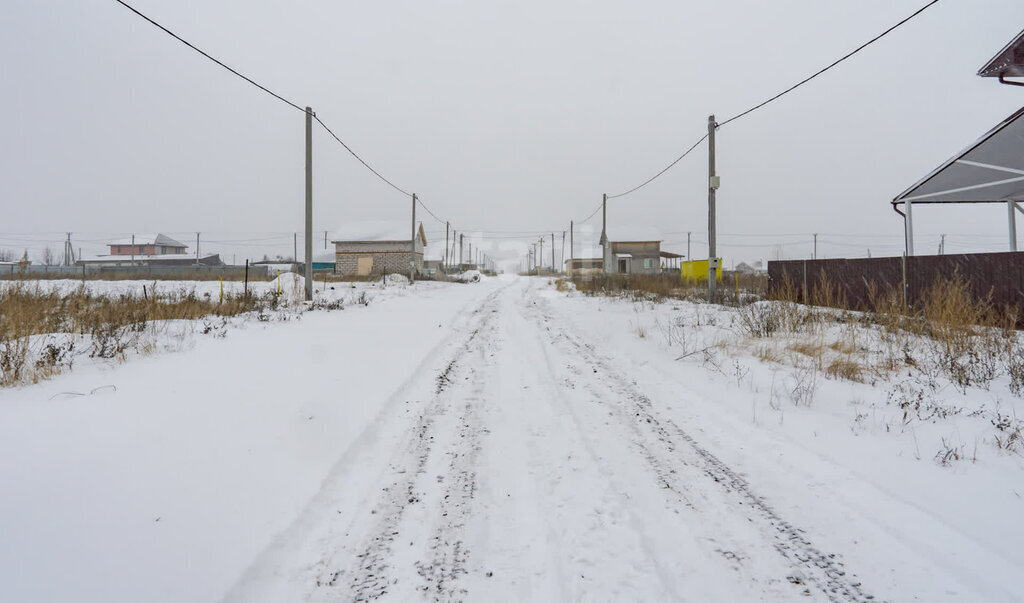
(697, 270)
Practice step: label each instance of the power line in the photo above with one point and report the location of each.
(667, 168)
(358, 158)
(202, 52)
(427, 209)
(834, 63)
(592, 214)
(777, 96)
(265, 89)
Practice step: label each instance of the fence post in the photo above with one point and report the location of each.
(806, 292)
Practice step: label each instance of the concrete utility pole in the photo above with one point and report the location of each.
(553, 253)
(197, 248)
(572, 248)
(133, 248)
(688, 258)
(325, 239)
(295, 247)
(563, 252)
(412, 243)
(444, 262)
(308, 272)
(541, 256)
(460, 251)
(605, 260)
(815, 246)
(713, 183)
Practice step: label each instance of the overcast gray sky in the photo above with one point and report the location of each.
(503, 116)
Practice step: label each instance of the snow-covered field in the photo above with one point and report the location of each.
(501, 441)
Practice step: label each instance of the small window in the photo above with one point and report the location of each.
(648, 263)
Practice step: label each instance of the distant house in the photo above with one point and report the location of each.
(325, 260)
(584, 266)
(635, 257)
(147, 244)
(745, 268)
(376, 248)
(172, 259)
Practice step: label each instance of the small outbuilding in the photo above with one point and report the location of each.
(377, 248)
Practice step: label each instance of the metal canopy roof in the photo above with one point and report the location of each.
(989, 171)
(1009, 62)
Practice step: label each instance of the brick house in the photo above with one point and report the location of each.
(376, 248)
(158, 244)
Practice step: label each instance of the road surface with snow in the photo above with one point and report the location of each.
(472, 442)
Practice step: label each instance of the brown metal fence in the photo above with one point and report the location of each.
(996, 277)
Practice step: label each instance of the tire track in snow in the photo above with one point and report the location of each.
(660, 447)
(371, 578)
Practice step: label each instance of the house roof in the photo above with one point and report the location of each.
(1009, 62)
(376, 231)
(989, 171)
(149, 239)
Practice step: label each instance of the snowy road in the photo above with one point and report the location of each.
(493, 442)
(533, 469)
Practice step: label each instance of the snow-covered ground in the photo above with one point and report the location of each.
(498, 441)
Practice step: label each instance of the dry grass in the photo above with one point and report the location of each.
(111, 323)
(734, 289)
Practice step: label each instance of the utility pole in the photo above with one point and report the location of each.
(688, 258)
(942, 244)
(553, 253)
(412, 243)
(460, 251)
(541, 256)
(572, 248)
(444, 262)
(133, 248)
(815, 246)
(309, 206)
(604, 233)
(713, 183)
(325, 239)
(563, 253)
(295, 247)
(197, 248)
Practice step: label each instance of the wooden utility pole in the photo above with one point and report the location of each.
(295, 248)
(713, 183)
(688, 258)
(815, 246)
(308, 243)
(412, 244)
(197, 247)
(460, 251)
(553, 253)
(444, 262)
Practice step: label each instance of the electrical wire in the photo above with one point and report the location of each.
(205, 54)
(667, 168)
(356, 155)
(777, 96)
(427, 209)
(265, 89)
(592, 214)
(833, 64)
